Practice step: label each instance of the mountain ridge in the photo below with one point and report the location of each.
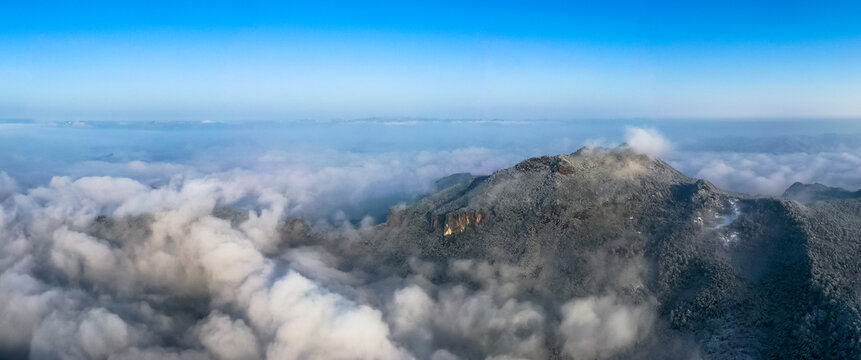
(732, 271)
(597, 254)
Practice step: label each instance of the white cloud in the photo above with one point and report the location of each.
(309, 322)
(228, 339)
(82, 256)
(8, 186)
(102, 333)
(24, 303)
(177, 253)
(489, 319)
(108, 190)
(602, 327)
(771, 174)
(646, 141)
(94, 333)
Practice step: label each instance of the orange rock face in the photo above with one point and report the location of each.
(455, 223)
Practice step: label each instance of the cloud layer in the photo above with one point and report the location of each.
(184, 260)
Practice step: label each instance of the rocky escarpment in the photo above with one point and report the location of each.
(454, 222)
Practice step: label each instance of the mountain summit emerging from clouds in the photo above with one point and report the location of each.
(628, 257)
(599, 254)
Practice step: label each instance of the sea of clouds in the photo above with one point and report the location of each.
(172, 241)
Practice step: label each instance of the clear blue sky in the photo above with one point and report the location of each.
(124, 60)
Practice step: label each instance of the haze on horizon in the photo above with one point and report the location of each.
(543, 60)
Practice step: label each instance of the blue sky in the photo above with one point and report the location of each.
(512, 60)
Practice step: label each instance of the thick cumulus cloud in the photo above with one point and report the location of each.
(162, 276)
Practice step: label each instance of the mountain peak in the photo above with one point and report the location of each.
(600, 164)
(564, 189)
(612, 221)
(817, 192)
